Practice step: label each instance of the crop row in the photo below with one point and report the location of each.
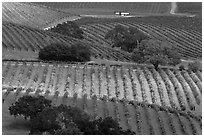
(140, 117)
(164, 87)
(17, 37)
(189, 44)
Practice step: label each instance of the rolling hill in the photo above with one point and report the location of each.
(167, 101)
(108, 8)
(33, 15)
(141, 99)
(188, 43)
(22, 38)
(143, 118)
(166, 87)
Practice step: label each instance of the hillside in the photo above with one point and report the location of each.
(188, 43)
(181, 90)
(22, 38)
(141, 99)
(108, 8)
(33, 15)
(173, 21)
(166, 101)
(143, 118)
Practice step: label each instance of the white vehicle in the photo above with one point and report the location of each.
(121, 13)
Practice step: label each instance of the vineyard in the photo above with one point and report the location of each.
(143, 118)
(177, 22)
(188, 43)
(33, 15)
(133, 8)
(167, 101)
(22, 38)
(140, 99)
(172, 88)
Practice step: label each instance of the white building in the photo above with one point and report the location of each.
(121, 13)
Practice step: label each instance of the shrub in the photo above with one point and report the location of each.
(61, 52)
(68, 28)
(125, 38)
(156, 52)
(181, 67)
(195, 66)
(29, 106)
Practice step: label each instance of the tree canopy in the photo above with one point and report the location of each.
(63, 119)
(29, 106)
(125, 38)
(69, 28)
(156, 52)
(78, 52)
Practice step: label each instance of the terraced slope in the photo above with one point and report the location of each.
(33, 15)
(172, 88)
(21, 38)
(188, 43)
(132, 7)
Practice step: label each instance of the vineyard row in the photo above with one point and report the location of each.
(172, 88)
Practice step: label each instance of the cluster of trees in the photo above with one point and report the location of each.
(62, 120)
(132, 40)
(143, 49)
(125, 38)
(156, 52)
(77, 52)
(68, 28)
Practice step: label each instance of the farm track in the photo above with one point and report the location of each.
(22, 38)
(189, 44)
(165, 88)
